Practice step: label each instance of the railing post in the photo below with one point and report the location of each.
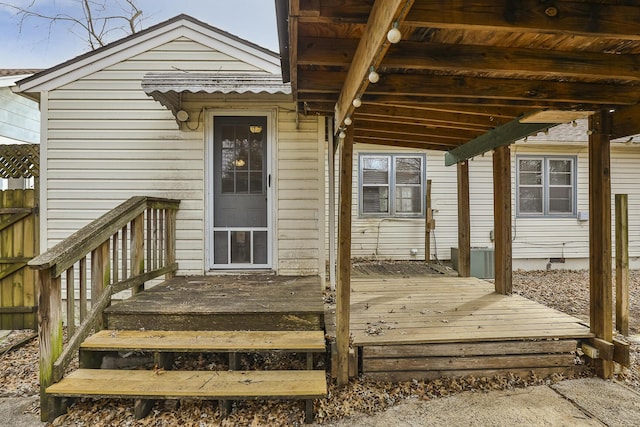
(100, 275)
(170, 240)
(49, 334)
(137, 249)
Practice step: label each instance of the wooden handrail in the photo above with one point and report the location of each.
(113, 241)
(70, 250)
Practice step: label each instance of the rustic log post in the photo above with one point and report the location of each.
(343, 293)
(100, 275)
(170, 241)
(502, 219)
(600, 234)
(622, 264)
(464, 221)
(50, 336)
(428, 223)
(137, 250)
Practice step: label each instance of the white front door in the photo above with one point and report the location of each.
(239, 234)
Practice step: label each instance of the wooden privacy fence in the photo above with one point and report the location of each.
(18, 238)
(121, 250)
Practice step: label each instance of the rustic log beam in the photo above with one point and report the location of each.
(500, 136)
(370, 51)
(585, 18)
(600, 234)
(343, 293)
(625, 122)
(622, 264)
(464, 221)
(502, 219)
(472, 59)
(474, 87)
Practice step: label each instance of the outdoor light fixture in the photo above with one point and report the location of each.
(357, 102)
(342, 135)
(182, 116)
(255, 129)
(373, 76)
(394, 35)
(348, 121)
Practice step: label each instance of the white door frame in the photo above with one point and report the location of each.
(209, 201)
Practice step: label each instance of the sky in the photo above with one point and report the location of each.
(36, 45)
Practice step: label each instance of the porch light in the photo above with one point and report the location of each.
(373, 76)
(394, 35)
(255, 129)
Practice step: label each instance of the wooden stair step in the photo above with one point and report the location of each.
(205, 341)
(214, 385)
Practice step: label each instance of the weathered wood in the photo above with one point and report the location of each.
(621, 352)
(622, 264)
(343, 292)
(71, 302)
(92, 322)
(100, 275)
(137, 249)
(82, 279)
(236, 385)
(371, 49)
(428, 223)
(600, 289)
(49, 335)
(605, 348)
(469, 362)
(205, 341)
(142, 407)
(464, 220)
(470, 349)
(625, 122)
(502, 219)
(66, 253)
(170, 241)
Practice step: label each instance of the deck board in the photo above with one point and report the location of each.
(192, 384)
(441, 309)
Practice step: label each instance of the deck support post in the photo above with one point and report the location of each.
(502, 219)
(428, 224)
(600, 274)
(331, 162)
(50, 337)
(622, 264)
(464, 221)
(343, 292)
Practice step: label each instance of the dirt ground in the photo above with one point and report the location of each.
(564, 290)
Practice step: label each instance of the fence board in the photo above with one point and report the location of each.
(17, 246)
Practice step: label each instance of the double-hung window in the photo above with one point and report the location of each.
(391, 185)
(546, 186)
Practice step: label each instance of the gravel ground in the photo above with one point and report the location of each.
(564, 290)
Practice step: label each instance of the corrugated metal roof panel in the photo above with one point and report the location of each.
(214, 82)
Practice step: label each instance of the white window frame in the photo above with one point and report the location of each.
(546, 185)
(392, 185)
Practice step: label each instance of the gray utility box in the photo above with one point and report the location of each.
(482, 262)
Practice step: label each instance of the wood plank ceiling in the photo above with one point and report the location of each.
(462, 68)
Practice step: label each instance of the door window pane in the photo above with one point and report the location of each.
(220, 247)
(240, 247)
(259, 247)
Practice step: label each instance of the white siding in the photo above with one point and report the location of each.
(19, 119)
(535, 240)
(108, 141)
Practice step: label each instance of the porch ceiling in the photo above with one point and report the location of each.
(462, 68)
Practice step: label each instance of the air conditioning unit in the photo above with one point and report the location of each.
(482, 262)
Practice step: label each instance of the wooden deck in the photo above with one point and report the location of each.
(434, 326)
(224, 302)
